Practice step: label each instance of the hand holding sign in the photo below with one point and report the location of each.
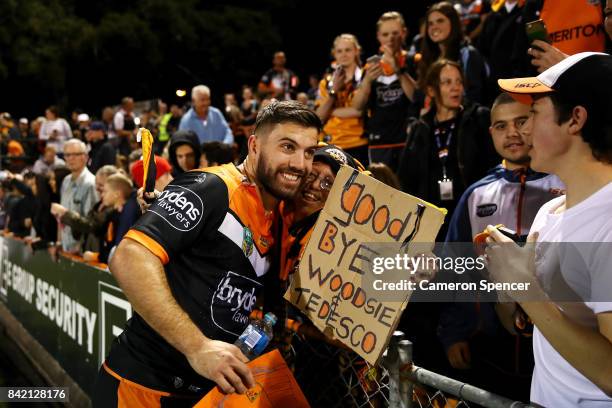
(332, 286)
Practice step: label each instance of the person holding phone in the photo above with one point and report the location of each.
(546, 55)
(552, 33)
(387, 91)
(343, 123)
(568, 132)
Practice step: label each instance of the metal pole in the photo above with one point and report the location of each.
(392, 364)
(462, 390)
(406, 386)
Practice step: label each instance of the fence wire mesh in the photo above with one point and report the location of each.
(335, 377)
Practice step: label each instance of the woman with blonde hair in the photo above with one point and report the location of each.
(343, 124)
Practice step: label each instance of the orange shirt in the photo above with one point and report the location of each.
(345, 132)
(574, 25)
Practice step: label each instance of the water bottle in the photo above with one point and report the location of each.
(255, 338)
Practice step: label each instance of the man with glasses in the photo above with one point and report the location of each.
(300, 214)
(78, 191)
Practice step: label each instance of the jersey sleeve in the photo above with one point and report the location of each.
(191, 208)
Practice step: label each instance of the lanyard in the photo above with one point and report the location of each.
(443, 149)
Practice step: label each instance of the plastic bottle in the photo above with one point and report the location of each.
(255, 338)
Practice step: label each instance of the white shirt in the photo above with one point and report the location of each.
(119, 122)
(510, 6)
(586, 267)
(63, 133)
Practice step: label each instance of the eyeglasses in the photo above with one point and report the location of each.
(67, 155)
(325, 183)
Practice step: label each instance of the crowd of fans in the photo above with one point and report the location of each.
(418, 113)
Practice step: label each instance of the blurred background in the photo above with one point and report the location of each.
(89, 54)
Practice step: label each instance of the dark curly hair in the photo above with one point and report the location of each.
(286, 112)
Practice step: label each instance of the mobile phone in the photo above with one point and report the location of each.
(374, 59)
(536, 30)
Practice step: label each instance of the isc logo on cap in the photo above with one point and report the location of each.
(527, 85)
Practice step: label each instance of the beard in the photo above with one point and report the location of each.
(268, 179)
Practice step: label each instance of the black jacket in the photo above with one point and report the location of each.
(476, 74)
(182, 137)
(474, 155)
(38, 207)
(498, 38)
(92, 226)
(102, 153)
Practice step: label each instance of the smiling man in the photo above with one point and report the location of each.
(193, 266)
(570, 134)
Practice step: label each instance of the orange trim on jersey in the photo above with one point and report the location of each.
(134, 385)
(388, 146)
(245, 201)
(131, 397)
(149, 243)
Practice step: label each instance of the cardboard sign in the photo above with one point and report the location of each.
(360, 214)
(275, 387)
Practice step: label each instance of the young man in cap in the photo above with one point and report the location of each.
(570, 134)
(193, 266)
(511, 195)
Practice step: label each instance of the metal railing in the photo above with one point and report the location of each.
(336, 377)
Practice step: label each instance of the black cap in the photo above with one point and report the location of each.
(97, 126)
(335, 157)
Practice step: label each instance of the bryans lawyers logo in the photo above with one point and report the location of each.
(180, 207)
(233, 302)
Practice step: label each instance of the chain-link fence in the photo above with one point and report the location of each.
(332, 376)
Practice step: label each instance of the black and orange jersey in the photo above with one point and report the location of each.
(213, 235)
